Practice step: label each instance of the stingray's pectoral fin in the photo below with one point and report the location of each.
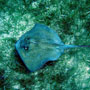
(33, 66)
(55, 54)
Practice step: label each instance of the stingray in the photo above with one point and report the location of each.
(40, 45)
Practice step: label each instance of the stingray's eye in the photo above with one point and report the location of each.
(26, 47)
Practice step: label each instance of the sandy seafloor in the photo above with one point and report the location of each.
(70, 19)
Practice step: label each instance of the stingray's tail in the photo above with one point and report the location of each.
(74, 46)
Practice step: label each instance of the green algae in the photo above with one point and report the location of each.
(71, 21)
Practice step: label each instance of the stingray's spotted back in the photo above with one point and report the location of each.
(38, 46)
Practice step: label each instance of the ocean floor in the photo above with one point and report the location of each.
(70, 19)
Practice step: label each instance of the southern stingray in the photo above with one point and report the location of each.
(40, 45)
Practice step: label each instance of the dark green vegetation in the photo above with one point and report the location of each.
(70, 19)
